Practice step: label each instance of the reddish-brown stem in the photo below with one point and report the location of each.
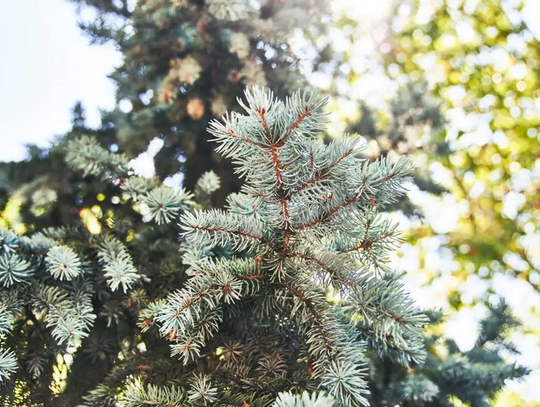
(231, 133)
(279, 177)
(329, 214)
(251, 277)
(191, 302)
(277, 168)
(362, 244)
(322, 173)
(262, 115)
(396, 318)
(300, 118)
(31, 252)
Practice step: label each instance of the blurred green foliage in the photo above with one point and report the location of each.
(482, 61)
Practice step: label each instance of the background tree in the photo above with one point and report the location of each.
(449, 376)
(186, 62)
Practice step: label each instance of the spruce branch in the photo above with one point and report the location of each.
(137, 395)
(388, 319)
(14, 269)
(164, 203)
(86, 155)
(219, 229)
(70, 314)
(418, 389)
(8, 240)
(201, 390)
(7, 317)
(307, 221)
(63, 263)
(207, 184)
(136, 187)
(117, 264)
(161, 203)
(8, 363)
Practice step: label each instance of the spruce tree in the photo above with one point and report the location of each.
(284, 298)
(270, 277)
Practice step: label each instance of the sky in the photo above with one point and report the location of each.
(46, 65)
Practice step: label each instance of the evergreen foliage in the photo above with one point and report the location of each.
(63, 263)
(285, 293)
(305, 400)
(473, 377)
(42, 191)
(303, 227)
(161, 42)
(65, 290)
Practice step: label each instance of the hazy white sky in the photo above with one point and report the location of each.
(46, 65)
